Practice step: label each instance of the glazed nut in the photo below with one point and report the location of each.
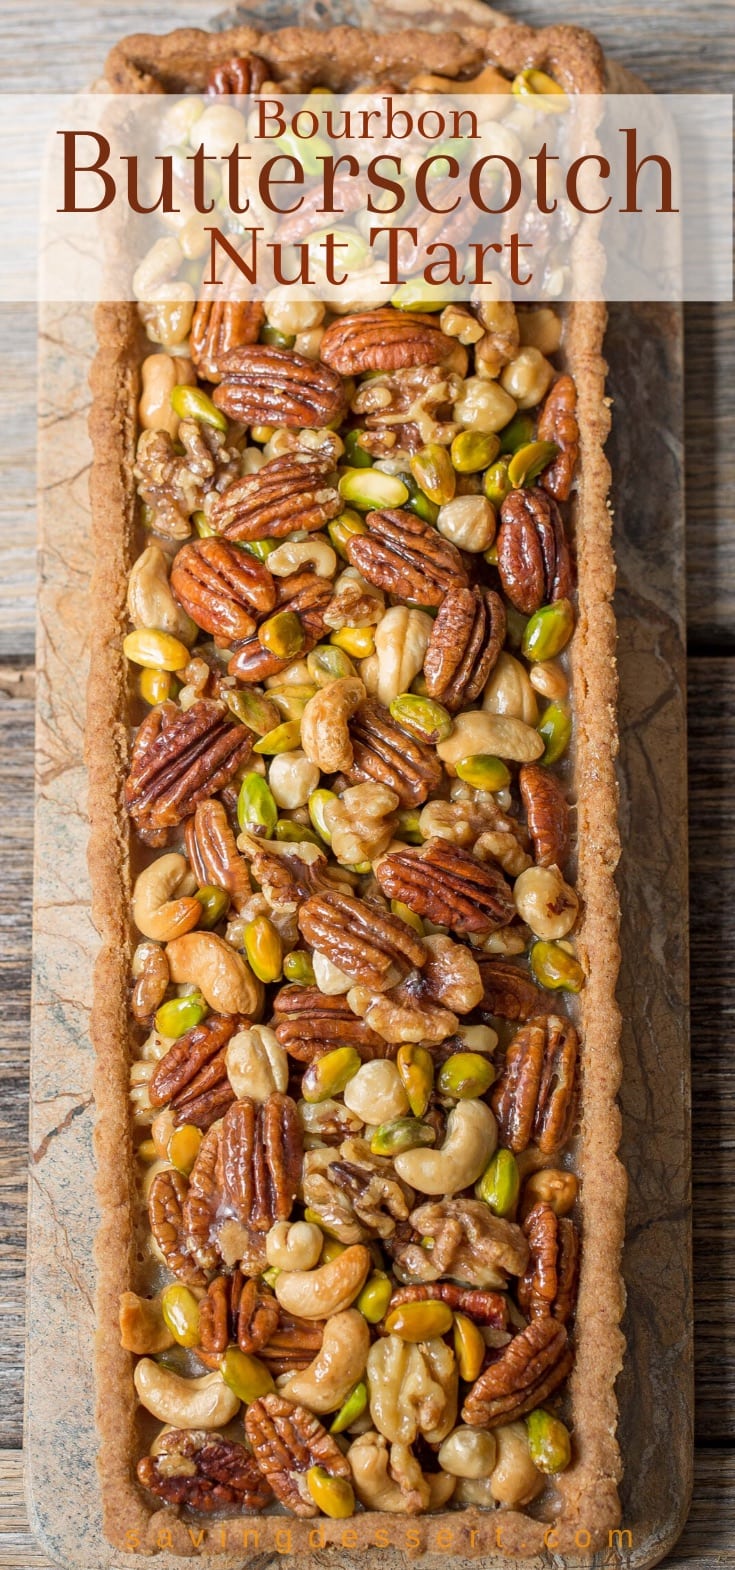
(294, 1245)
(159, 374)
(295, 555)
(413, 1389)
(150, 600)
(330, 1074)
(469, 1347)
(334, 1496)
(549, 1443)
(292, 778)
(527, 378)
(545, 902)
(333, 1287)
(361, 822)
(337, 1367)
(151, 976)
(514, 1480)
(184, 1403)
(465, 1075)
(469, 522)
(387, 1477)
(376, 1092)
(401, 640)
(499, 734)
(256, 1063)
(470, 1140)
(181, 1313)
(540, 326)
(483, 405)
(325, 736)
(510, 691)
(208, 963)
(468, 1452)
(143, 1329)
(419, 1321)
(551, 1186)
(548, 678)
(162, 904)
(415, 1066)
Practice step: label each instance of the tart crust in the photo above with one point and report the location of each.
(588, 1505)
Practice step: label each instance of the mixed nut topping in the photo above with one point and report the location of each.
(355, 1084)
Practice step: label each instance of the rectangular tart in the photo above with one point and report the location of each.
(579, 1506)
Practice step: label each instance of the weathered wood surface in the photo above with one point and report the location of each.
(676, 46)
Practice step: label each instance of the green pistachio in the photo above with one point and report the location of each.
(483, 771)
(285, 738)
(352, 1408)
(418, 502)
(549, 1444)
(416, 1068)
(474, 450)
(356, 455)
(327, 663)
(555, 968)
(530, 461)
(259, 714)
(401, 1134)
(180, 1014)
(375, 1296)
(432, 470)
(318, 800)
(276, 339)
(215, 904)
(180, 1311)
(327, 1076)
(407, 827)
(418, 295)
(343, 527)
(517, 433)
(423, 717)
(298, 968)
(500, 1183)
(282, 634)
(256, 808)
(555, 726)
(292, 833)
(496, 484)
(190, 403)
(245, 1375)
(261, 549)
(369, 488)
(263, 947)
(465, 1075)
(548, 631)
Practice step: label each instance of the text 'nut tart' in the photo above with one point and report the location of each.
(353, 837)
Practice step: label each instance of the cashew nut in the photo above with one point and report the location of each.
(478, 731)
(514, 1479)
(162, 907)
(325, 737)
(338, 1365)
(256, 1063)
(509, 691)
(222, 976)
(294, 1245)
(401, 641)
(316, 1294)
(295, 555)
(471, 1138)
(206, 1402)
(142, 1325)
(160, 373)
(150, 600)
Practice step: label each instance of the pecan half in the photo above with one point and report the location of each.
(166, 1202)
(534, 1097)
(466, 639)
(221, 325)
(533, 556)
(509, 993)
(201, 1203)
(290, 492)
(223, 589)
(212, 852)
(207, 1096)
(549, 1284)
(239, 76)
(179, 759)
(189, 1053)
(557, 422)
(406, 557)
(528, 1370)
(293, 1345)
(261, 1160)
(237, 1310)
(265, 386)
(308, 1024)
(362, 940)
(547, 813)
(486, 1308)
(286, 1441)
(449, 885)
(204, 1472)
(308, 596)
(383, 751)
(383, 340)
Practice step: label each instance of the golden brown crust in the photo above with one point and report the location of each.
(588, 1490)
